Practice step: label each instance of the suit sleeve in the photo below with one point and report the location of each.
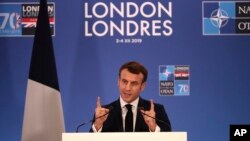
(162, 118)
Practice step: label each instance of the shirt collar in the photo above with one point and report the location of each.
(133, 103)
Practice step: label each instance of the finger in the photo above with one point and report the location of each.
(142, 111)
(98, 102)
(106, 110)
(152, 106)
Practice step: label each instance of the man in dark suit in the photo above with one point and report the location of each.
(131, 113)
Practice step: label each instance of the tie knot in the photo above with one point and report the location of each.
(129, 107)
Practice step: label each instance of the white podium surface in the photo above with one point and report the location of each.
(122, 136)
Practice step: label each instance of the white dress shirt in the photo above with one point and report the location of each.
(125, 110)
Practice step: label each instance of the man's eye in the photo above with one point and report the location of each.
(134, 83)
(124, 81)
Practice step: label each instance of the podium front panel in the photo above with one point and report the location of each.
(134, 136)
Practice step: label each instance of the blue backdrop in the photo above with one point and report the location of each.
(87, 67)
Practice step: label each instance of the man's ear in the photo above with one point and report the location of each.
(143, 85)
(118, 81)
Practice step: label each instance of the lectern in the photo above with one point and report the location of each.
(118, 136)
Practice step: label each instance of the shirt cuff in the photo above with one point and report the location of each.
(94, 129)
(157, 129)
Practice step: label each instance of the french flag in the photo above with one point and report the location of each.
(43, 113)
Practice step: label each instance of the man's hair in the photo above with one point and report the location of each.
(135, 68)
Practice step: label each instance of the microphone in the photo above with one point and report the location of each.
(77, 129)
(142, 108)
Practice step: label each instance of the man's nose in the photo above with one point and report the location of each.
(128, 86)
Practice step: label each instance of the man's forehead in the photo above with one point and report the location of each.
(125, 74)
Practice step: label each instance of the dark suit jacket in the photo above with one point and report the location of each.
(114, 120)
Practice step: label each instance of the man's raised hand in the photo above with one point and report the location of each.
(147, 115)
(100, 116)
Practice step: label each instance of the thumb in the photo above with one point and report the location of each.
(152, 106)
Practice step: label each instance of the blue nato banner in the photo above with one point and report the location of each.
(19, 19)
(196, 53)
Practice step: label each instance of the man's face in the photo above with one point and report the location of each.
(130, 85)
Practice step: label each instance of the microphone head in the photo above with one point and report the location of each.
(110, 108)
(140, 108)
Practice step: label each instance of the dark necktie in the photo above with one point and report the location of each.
(129, 119)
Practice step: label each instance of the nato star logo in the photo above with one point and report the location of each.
(219, 18)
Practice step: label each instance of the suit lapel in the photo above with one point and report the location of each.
(118, 116)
